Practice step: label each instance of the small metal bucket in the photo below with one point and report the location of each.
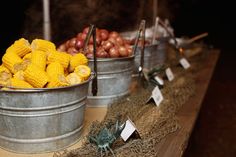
(42, 120)
(154, 55)
(114, 77)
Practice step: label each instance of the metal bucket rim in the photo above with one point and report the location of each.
(112, 59)
(16, 90)
(150, 45)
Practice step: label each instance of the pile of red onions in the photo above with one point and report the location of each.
(109, 44)
(132, 42)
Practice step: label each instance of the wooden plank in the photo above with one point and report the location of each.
(175, 144)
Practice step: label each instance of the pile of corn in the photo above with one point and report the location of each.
(39, 65)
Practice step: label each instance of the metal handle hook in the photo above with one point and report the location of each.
(92, 32)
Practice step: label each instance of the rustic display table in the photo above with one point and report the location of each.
(173, 144)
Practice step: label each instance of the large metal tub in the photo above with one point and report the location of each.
(42, 120)
(114, 79)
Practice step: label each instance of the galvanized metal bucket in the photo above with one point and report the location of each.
(42, 120)
(114, 76)
(154, 55)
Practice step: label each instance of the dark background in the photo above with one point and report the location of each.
(188, 17)
(214, 132)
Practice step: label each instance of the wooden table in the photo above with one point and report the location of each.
(174, 144)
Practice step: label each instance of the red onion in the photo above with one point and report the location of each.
(129, 49)
(85, 30)
(123, 51)
(67, 44)
(114, 34)
(119, 40)
(98, 40)
(72, 42)
(101, 53)
(91, 40)
(62, 48)
(83, 36)
(89, 48)
(72, 51)
(107, 45)
(104, 34)
(111, 39)
(113, 52)
(89, 55)
(79, 44)
(79, 35)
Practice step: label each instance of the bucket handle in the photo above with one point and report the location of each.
(176, 45)
(92, 32)
(140, 34)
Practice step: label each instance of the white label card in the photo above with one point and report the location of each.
(159, 80)
(157, 96)
(128, 130)
(169, 74)
(184, 63)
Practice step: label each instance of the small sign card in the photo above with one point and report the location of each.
(156, 96)
(169, 74)
(129, 129)
(159, 80)
(184, 63)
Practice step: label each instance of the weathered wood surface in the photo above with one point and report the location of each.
(175, 144)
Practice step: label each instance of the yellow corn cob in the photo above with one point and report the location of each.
(54, 69)
(38, 58)
(12, 61)
(14, 82)
(27, 56)
(25, 63)
(83, 71)
(73, 79)
(19, 75)
(59, 81)
(5, 74)
(61, 57)
(43, 45)
(3, 68)
(21, 47)
(5, 88)
(35, 76)
(26, 60)
(78, 59)
(5, 83)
